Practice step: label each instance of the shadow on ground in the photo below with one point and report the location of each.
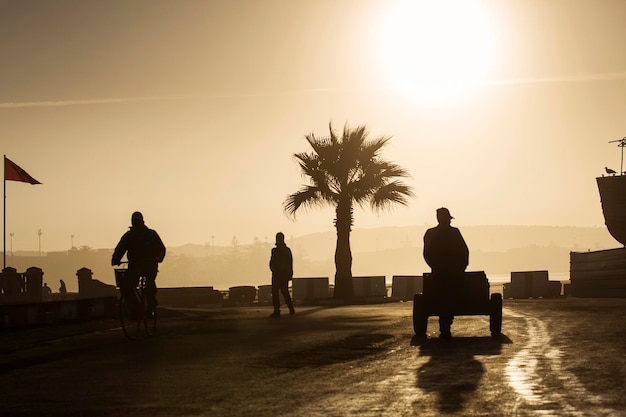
(452, 372)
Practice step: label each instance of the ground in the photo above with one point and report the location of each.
(562, 357)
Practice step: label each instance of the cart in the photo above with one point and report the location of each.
(473, 300)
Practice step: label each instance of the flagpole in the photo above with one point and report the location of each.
(4, 212)
(16, 173)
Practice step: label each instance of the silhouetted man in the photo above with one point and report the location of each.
(144, 250)
(281, 265)
(62, 288)
(446, 252)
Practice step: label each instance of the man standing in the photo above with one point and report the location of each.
(446, 252)
(281, 265)
(145, 250)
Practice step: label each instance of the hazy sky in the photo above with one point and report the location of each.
(191, 111)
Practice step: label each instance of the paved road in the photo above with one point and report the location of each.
(556, 357)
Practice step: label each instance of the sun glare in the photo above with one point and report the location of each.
(436, 51)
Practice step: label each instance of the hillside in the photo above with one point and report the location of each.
(478, 238)
(381, 251)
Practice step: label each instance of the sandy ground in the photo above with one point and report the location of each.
(562, 357)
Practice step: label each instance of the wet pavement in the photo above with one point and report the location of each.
(563, 357)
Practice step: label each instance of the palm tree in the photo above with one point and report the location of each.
(343, 172)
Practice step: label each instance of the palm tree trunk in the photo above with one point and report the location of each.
(343, 255)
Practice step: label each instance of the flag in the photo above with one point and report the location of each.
(12, 172)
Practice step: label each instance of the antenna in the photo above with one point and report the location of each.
(621, 143)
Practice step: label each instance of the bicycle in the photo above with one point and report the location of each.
(134, 313)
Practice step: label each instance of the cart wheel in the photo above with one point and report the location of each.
(495, 315)
(420, 318)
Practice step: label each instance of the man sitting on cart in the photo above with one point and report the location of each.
(144, 250)
(446, 252)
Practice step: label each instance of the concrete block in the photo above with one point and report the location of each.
(404, 287)
(369, 286)
(310, 288)
(264, 295)
(529, 284)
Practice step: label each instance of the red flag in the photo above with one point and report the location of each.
(12, 172)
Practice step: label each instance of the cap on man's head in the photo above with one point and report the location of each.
(444, 213)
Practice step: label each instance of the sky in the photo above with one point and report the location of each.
(191, 111)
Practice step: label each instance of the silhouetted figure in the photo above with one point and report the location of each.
(46, 290)
(144, 250)
(446, 252)
(281, 265)
(63, 288)
(609, 170)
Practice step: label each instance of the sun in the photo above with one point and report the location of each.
(436, 51)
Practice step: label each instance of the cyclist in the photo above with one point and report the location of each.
(144, 250)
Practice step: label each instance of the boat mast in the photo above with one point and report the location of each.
(621, 144)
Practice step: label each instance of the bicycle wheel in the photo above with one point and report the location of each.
(149, 316)
(130, 323)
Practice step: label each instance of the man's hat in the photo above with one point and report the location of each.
(444, 212)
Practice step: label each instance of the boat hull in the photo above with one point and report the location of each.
(613, 197)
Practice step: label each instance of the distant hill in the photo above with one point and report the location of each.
(398, 250)
(318, 246)
(385, 251)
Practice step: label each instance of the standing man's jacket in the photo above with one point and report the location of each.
(445, 249)
(281, 263)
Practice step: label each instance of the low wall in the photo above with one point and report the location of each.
(598, 274)
(188, 296)
(52, 312)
